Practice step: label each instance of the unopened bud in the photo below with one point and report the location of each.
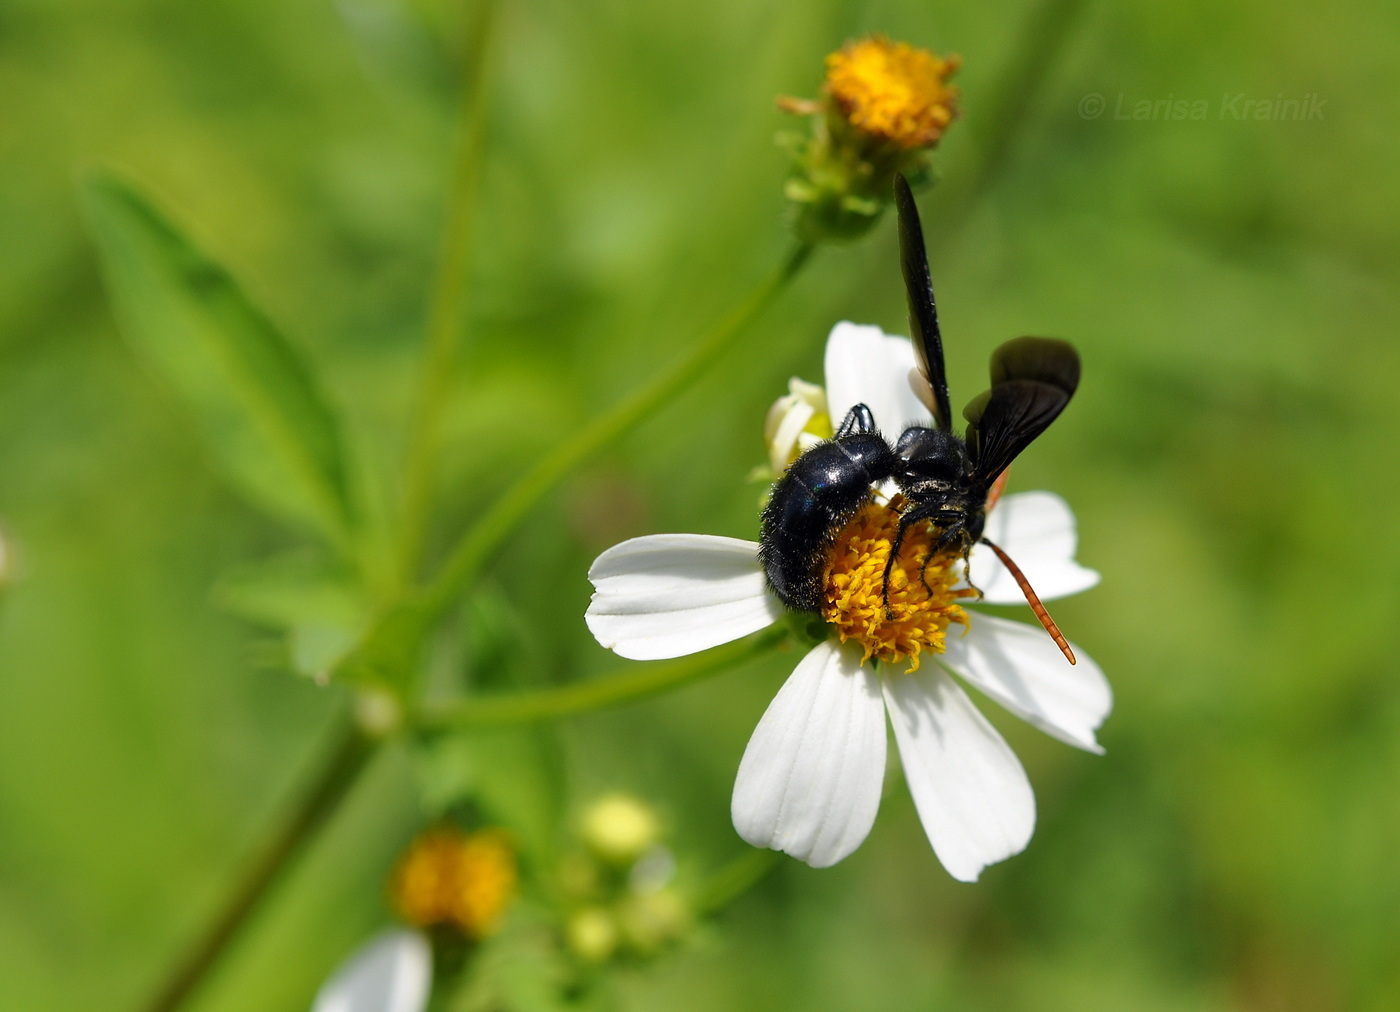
(651, 921)
(592, 934)
(619, 828)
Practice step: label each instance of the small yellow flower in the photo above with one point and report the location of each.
(448, 878)
(892, 91)
(884, 106)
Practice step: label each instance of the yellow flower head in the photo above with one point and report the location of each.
(448, 878)
(922, 593)
(893, 91)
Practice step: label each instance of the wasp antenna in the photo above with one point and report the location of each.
(1034, 601)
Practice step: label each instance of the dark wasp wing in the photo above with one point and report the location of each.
(923, 312)
(1033, 379)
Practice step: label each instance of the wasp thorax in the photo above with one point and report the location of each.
(853, 582)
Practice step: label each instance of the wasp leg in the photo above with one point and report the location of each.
(907, 519)
(955, 531)
(967, 573)
(889, 568)
(923, 572)
(858, 419)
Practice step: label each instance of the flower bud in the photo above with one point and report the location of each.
(884, 105)
(619, 828)
(652, 921)
(795, 423)
(450, 879)
(592, 934)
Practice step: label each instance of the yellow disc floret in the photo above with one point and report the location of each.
(893, 91)
(452, 879)
(854, 588)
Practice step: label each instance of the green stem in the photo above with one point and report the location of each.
(596, 694)
(450, 284)
(479, 543)
(390, 649)
(337, 776)
(1043, 38)
(734, 879)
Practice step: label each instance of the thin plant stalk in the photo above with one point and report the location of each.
(734, 880)
(342, 768)
(447, 306)
(389, 651)
(1044, 36)
(628, 686)
(477, 546)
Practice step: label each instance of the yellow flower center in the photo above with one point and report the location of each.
(854, 582)
(893, 91)
(452, 879)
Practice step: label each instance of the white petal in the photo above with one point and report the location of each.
(1020, 667)
(971, 792)
(864, 365)
(673, 594)
(809, 782)
(789, 427)
(1037, 530)
(391, 973)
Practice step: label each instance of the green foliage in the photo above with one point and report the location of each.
(256, 401)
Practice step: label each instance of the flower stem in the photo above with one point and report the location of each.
(734, 879)
(450, 284)
(628, 686)
(342, 767)
(1043, 38)
(475, 548)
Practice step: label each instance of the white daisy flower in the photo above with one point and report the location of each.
(392, 972)
(795, 423)
(810, 779)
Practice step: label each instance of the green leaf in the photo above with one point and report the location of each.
(318, 605)
(257, 402)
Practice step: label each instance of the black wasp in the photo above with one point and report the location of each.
(944, 478)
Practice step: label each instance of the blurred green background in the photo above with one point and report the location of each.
(1231, 455)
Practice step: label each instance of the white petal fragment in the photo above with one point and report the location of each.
(968, 786)
(1020, 666)
(1037, 530)
(784, 440)
(864, 365)
(392, 972)
(809, 782)
(674, 594)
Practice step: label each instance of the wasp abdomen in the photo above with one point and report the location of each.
(810, 504)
